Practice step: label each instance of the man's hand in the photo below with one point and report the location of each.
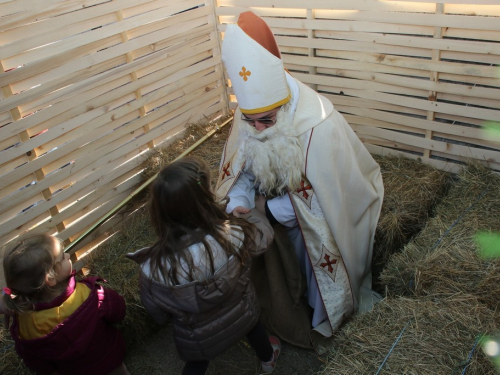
(7, 314)
(238, 211)
(260, 204)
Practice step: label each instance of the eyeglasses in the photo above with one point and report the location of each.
(267, 120)
(264, 120)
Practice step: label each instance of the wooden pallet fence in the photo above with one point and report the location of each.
(419, 78)
(87, 88)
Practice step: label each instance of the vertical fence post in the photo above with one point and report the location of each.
(436, 56)
(215, 35)
(133, 75)
(312, 51)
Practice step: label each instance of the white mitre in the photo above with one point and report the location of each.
(257, 75)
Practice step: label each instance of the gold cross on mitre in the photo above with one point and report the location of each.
(245, 73)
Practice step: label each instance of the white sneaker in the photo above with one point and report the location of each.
(268, 367)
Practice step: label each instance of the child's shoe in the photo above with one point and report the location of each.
(268, 367)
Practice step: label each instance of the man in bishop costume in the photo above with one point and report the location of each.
(289, 145)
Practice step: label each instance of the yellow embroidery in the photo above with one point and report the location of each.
(245, 73)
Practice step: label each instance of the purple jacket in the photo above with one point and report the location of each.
(86, 342)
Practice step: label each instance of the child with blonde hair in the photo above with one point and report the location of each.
(198, 271)
(60, 326)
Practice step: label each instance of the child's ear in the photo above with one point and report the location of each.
(50, 280)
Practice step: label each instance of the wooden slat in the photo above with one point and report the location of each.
(473, 134)
(488, 142)
(74, 130)
(92, 61)
(142, 6)
(489, 103)
(114, 116)
(112, 160)
(88, 199)
(195, 43)
(91, 159)
(485, 35)
(466, 2)
(178, 18)
(366, 121)
(90, 218)
(375, 15)
(79, 77)
(116, 139)
(342, 45)
(92, 112)
(48, 11)
(14, 41)
(21, 71)
(21, 207)
(12, 7)
(446, 166)
(6, 237)
(353, 69)
(283, 29)
(452, 68)
(417, 5)
(55, 50)
(62, 22)
(414, 41)
(95, 88)
(354, 88)
(10, 229)
(102, 234)
(452, 150)
(78, 40)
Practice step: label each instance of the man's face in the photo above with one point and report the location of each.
(261, 121)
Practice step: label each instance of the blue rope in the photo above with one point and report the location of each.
(392, 348)
(7, 348)
(470, 354)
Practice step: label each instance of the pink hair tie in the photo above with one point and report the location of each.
(7, 291)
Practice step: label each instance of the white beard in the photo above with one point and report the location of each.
(273, 156)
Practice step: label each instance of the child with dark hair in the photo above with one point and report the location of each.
(198, 271)
(60, 326)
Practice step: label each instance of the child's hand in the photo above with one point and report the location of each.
(238, 211)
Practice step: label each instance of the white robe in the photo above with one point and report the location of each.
(337, 207)
(243, 194)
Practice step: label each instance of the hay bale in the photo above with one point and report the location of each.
(438, 339)
(443, 259)
(412, 190)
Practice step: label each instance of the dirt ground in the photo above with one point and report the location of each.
(159, 356)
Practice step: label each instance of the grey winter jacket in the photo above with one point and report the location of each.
(209, 315)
